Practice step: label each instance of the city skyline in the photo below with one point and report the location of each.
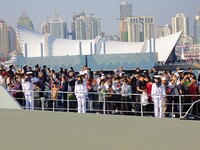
(108, 11)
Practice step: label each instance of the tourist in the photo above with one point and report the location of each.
(155, 71)
(11, 73)
(54, 96)
(150, 106)
(36, 71)
(116, 86)
(90, 86)
(193, 92)
(102, 92)
(44, 71)
(164, 81)
(134, 79)
(171, 91)
(182, 91)
(140, 86)
(121, 72)
(19, 93)
(109, 95)
(36, 92)
(126, 93)
(71, 86)
(63, 90)
(41, 83)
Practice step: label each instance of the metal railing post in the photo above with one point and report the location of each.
(180, 109)
(141, 108)
(42, 101)
(172, 108)
(53, 106)
(33, 100)
(67, 102)
(104, 104)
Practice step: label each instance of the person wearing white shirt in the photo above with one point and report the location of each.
(2, 80)
(125, 92)
(27, 87)
(116, 86)
(158, 92)
(81, 93)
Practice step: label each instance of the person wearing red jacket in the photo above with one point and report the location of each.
(150, 106)
(193, 91)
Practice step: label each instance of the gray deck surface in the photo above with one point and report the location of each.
(36, 130)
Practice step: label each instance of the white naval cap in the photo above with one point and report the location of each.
(180, 71)
(29, 73)
(157, 76)
(163, 78)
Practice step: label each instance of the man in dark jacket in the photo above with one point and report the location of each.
(36, 71)
(71, 81)
(64, 90)
(41, 84)
(44, 71)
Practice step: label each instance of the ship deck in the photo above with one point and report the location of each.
(35, 130)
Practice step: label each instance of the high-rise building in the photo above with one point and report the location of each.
(180, 23)
(55, 26)
(162, 31)
(124, 30)
(140, 28)
(73, 26)
(126, 10)
(3, 37)
(11, 39)
(87, 27)
(25, 21)
(197, 29)
(134, 25)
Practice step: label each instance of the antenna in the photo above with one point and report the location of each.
(55, 14)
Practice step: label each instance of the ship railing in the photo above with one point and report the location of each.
(174, 106)
(189, 114)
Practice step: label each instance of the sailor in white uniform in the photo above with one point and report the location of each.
(27, 87)
(81, 93)
(158, 92)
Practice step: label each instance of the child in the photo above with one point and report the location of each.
(144, 99)
(54, 94)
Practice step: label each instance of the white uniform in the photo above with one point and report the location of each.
(27, 87)
(81, 93)
(158, 97)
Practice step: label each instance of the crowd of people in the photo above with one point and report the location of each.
(143, 92)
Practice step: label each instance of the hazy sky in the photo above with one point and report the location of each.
(107, 10)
